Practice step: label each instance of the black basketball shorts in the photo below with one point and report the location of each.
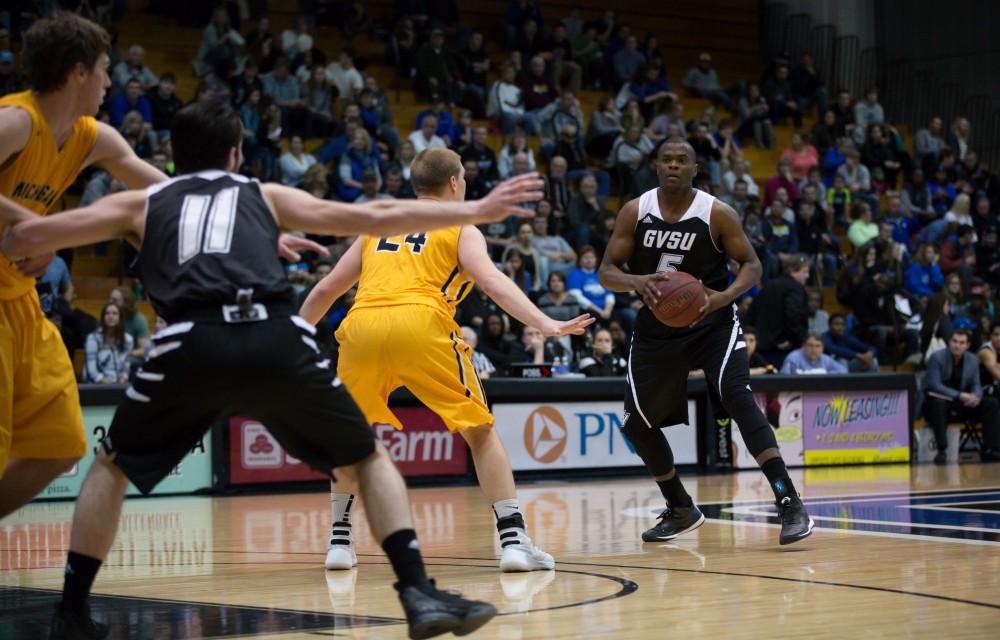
(658, 368)
(201, 372)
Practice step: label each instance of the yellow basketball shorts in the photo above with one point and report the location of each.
(412, 346)
(39, 402)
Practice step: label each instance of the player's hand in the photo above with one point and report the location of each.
(646, 287)
(290, 244)
(714, 301)
(576, 326)
(505, 199)
(34, 267)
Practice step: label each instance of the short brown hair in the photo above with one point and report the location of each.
(53, 46)
(433, 168)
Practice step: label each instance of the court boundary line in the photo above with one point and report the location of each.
(918, 594)
(826, 583)
(628, 587)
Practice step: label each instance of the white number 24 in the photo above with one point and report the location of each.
(194, 237)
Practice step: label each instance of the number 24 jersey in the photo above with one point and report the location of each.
(413, 269)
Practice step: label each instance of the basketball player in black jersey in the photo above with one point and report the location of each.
(678, 228)
(235, 346)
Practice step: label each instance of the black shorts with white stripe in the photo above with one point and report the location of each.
(269, 370)
(658, 368)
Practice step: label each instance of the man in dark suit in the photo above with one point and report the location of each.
(952, 389)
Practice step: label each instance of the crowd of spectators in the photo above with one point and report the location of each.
(901, 233)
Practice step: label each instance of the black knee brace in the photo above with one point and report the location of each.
(650, 445)
(757, 433)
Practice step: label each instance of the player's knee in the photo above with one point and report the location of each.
(476, 437)
(652, 447)
(758, 436)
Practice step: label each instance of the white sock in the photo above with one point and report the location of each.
(512, 530)
(341, 504)
(506, 508)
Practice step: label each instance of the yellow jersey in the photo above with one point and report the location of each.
(37, 176)
(414, 269)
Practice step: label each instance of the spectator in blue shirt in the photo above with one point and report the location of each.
(904, 225)
(810, 359)
(627, 60)
(857, 356)
(942, 192)
(446, 123)
(650, 88)
(131, 100)
(924, 277)
(584, 285)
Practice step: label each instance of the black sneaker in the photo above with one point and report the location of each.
(795, 522)
(673, 522)
(940, 457)
(76, 625)
(431, 612)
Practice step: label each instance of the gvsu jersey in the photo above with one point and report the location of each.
(686, 245)
(209, 235)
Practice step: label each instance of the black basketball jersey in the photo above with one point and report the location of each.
(209, 235)
(686, 245)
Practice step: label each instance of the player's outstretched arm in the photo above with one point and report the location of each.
(473, 257)
(300, 211)
(112, 153)
(121, 215)
(336, 283)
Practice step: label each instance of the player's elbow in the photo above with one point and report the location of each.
(22, 241)
(604, 276)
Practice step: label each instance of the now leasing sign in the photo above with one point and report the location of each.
(579, 435)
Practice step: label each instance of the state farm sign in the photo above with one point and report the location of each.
(423, 448)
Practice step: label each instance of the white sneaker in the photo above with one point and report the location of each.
(525, 556)
(340, 557)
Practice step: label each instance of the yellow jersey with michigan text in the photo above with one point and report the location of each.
(412, 269)
(38, 175)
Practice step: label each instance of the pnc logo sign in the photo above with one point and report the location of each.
(545, 434)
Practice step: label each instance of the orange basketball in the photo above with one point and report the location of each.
(681, 298)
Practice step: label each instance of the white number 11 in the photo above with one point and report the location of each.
(221, 213)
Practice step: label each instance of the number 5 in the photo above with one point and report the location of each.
(668, 262)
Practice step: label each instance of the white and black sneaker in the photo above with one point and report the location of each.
(523, 555)
(795, 522)
(674, 521)
(340, 554)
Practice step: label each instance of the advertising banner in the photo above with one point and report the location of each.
(193, 473)
(579, 435)
(424, 447)
(856, 427)
(833, 427)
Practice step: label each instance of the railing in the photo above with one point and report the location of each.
(911, 91)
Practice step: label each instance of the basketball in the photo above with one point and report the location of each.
(681, 298)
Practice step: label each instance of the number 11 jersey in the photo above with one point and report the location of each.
(209, 235)
(413, 269)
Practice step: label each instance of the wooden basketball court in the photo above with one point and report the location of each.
(898, 552)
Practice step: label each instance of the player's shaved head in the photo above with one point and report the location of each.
(433, 169)
(676, 165)
(672, 143)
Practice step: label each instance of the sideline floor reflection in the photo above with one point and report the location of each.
(27, 612)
